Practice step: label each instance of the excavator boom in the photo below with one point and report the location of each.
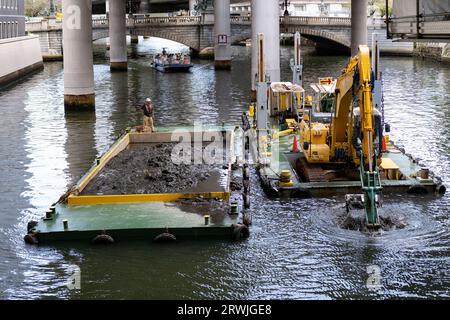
(370, 178)
(354, 89)
(366, 107)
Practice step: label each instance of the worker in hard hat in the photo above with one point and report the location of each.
(148, 109)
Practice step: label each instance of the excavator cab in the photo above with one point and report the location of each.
(323, 100)
(378, 134)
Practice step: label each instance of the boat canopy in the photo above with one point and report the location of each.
(286, 87)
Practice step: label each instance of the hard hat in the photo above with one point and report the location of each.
(148, 100)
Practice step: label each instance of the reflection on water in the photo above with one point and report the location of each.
(296, 249)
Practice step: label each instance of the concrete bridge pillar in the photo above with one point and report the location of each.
(359, 25)
(222, 34)
(266, 20)
(117, 35)
(107, 8)
(79, 91)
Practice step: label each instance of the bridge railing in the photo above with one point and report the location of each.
(317, 21)
(157, 21)
(241, 20)
(100, 22)
(142, 20)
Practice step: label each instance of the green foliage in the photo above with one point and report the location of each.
(380, 6)
(35, 8)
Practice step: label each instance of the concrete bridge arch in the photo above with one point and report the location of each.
(326, 40)
(190, 36)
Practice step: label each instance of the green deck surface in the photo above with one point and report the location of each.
(153, 215)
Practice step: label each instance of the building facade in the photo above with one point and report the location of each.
(13, 41)
(12, 19)
(306, 8)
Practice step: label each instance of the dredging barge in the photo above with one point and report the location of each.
(200, 204)
(335, 142)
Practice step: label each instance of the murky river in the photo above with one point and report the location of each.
(296, 250)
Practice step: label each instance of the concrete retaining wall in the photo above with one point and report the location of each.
(18, 57)
(51, 45)
(436, 51)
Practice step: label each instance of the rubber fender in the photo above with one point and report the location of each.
(165, 238)
(240, 232)
(31, 225)
(31, 239)
(417, 189)
(103, 239)
(441, 189)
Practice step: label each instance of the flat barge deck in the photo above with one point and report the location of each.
(207, 209)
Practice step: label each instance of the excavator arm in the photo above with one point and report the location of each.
(356, 83)
(366, 108)
(343, 104)
(369, 174)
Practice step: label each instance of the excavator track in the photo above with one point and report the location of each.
(310, 172)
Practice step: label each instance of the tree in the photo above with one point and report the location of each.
(35, 8)
(380, 6)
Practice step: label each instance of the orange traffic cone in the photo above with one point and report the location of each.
(383, 145)
(294, 145)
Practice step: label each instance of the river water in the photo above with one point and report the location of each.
(296, 250)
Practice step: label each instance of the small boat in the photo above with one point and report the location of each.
(172, 62)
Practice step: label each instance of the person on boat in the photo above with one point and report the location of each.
(148, 109)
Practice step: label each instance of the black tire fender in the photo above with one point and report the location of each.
(31, 238)
(240, 232)
(103, 239)
(165, 238)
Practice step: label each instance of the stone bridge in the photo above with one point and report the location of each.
(197, 32)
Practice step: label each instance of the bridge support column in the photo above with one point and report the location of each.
(79, 91)
(117, 35)
(266, 20)
(222, 35)
(359, 25)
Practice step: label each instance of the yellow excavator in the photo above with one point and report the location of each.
(352, 138)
